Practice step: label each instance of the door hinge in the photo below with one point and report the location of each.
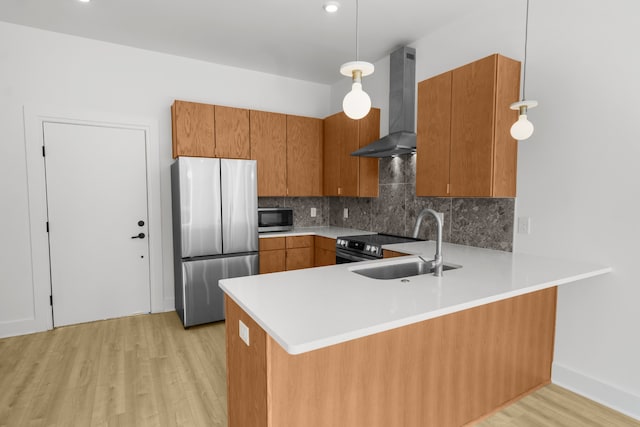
(47, 226)
(43, 151)
(51, 300)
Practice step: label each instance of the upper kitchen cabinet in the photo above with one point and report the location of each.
(193, 130)
(464, 146)
(346, 175)
(269, 148)
(304, 156)
(204, 130)
(232, 133)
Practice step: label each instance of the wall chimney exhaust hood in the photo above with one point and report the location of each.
(402, 98)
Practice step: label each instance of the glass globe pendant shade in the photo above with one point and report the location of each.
(356, 104)
(522, 129)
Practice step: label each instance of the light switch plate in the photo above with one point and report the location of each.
(244, 332)
(524, 225)
(345, 213)
(313, 212)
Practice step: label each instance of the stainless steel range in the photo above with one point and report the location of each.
(365, 247)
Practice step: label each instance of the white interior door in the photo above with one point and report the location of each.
(97, 203)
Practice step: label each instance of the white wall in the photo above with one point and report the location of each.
(74, 74)
(578, 180)
(578, 177)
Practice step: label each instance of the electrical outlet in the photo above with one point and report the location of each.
(441, 215)
(313, 212)
(524, 225)
(345, 213)
(243, 332)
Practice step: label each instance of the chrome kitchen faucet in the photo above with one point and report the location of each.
(437, 261)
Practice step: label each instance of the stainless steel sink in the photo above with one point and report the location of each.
(410, 268)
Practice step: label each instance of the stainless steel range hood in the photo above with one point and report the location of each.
(402, 98)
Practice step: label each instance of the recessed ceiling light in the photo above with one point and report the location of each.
(84, 1)
(331, 6)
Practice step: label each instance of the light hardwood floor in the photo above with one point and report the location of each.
(149, 371)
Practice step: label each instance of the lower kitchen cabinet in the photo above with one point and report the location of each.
(391, 254)
(299, 252)
(272, 255)
(286, 253)
(448, 371)
(325, 251)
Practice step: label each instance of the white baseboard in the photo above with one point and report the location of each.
(615, 398)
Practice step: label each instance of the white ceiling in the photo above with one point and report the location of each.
(293, 38)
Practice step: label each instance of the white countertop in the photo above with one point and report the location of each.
(305, 310)
(330, 232)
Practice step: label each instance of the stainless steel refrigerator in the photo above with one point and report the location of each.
(215, 232)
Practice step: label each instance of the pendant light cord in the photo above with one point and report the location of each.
(526, 37)
(357, 47)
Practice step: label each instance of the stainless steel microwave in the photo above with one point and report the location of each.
(275, 219)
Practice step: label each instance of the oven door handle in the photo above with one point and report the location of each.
(351, 257)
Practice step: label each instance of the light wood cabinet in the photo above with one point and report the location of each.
(286, 253)
(448, 371)
(269, 148)
(346, 175)
(391, 254)
(325, 251)
(300, 252)
(193, 130)
(304, 156)
(288, 149)
(464, 146)
(272, 254)
(232, 133)
(204, 130)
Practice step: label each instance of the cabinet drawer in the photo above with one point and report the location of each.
(271, 243)
(299, 241)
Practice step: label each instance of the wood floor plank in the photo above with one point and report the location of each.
(149, 371)
(554, 406)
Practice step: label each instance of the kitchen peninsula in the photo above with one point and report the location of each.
(329, 347)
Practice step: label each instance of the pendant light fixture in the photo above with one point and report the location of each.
(356, 104)
(523, 128)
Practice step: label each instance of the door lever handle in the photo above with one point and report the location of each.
(139, 236)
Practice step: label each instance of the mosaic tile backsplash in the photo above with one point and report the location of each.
(480, 222)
